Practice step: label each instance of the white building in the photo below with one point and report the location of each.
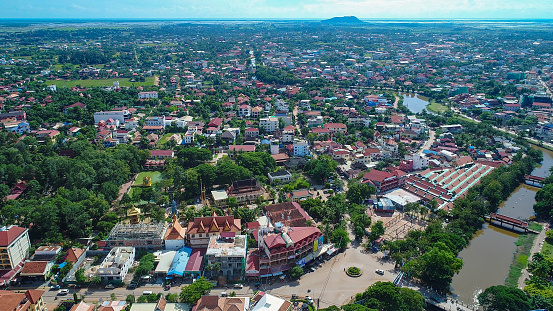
(147, 95)
(155, 121)
(106, 115)
(420, 161)
(269, 124)
(281, 176)
(115, 266)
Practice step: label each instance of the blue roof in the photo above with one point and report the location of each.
(265, 142)
(425, 151)
(178, 266)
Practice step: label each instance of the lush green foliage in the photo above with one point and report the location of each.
(503, 298)
(385, 296)
(193, 292)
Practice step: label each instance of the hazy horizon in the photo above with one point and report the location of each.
(283, 9)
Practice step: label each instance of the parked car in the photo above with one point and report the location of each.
(167, 287)
(63, 292)
(238, 286)
(380, 271)
(131, 286)
(54, 287)
(110, 286)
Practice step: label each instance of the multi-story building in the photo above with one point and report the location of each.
(269, 124)
(115, 266)
(147, 95)
(141, 235)
(155, 121)
(244, 111)
(14, 246)
(288, 134)
(301, 149)
(384, 181)
(281, 248)
(229, 252)
(200, 231)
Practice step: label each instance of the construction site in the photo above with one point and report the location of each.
(140, 235)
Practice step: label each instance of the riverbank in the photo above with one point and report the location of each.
(435, 107)
(524, 249)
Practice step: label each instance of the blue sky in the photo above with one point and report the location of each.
(305, 9)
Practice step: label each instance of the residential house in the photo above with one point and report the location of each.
(288, 134)
(30, 300)
(73, 254)
(244, 111)
(256, 112)
(154, 123)
(75, 105)
(236, 149)
(251, 132)
(300, 195)
(334, 128)
(315, 121)
(115, 266)
(216, 303)
(200, 231)
(280, 176)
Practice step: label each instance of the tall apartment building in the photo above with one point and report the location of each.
(14, 246)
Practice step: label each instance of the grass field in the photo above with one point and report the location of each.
(156, 176)
(435, 107)
(99, 83)
(163, 140)
(520, 258)
(547, 249)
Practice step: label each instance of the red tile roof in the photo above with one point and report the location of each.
(9, 235)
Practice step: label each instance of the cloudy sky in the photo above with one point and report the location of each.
(302, 9)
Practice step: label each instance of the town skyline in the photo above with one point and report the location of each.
(261, 9)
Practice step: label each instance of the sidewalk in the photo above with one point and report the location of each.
(536, 248)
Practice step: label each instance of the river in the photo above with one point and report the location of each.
(415, 102)
(487, 259)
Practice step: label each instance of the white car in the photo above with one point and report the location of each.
(380, 271)
(110, 286)
(63, 292)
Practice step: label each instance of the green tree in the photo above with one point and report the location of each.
(172, 297)
(80, 277)
(358, 192)
(192, 293)
(340, 237)
(296, 272)
(130, 299)
(436, 267)
(385, 296)
(377, 230)
(503, 298)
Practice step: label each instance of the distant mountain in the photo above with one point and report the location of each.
(343, 20)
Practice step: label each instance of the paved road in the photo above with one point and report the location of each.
(536, 248)
(429, 142)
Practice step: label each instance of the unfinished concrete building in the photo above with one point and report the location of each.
(141, 235)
